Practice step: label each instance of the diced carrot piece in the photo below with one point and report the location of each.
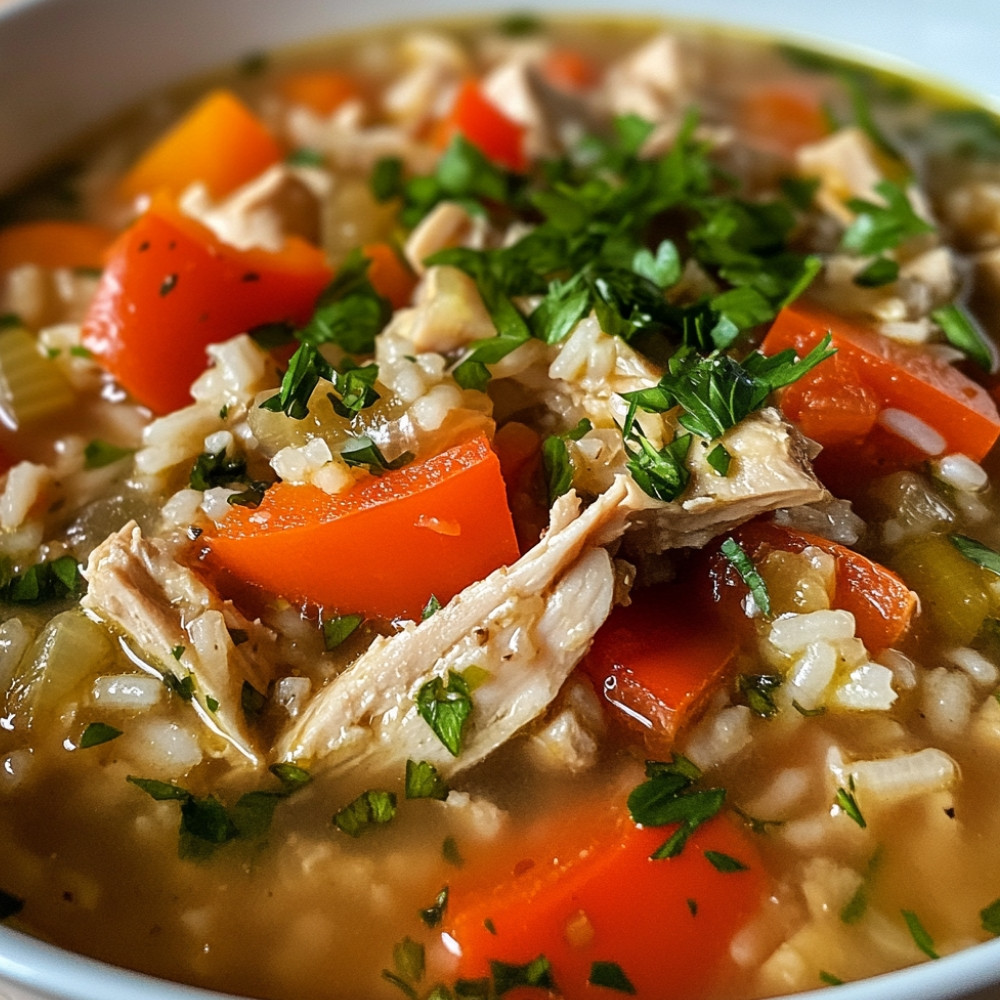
(484, 125)
(170, 288)
(569, 69)
(389, 275)
(842, 403)
(384, 547)
(590, 893)
(782, 117)
(54, 244)
(322, 91)
(659, 659)
(220, 142)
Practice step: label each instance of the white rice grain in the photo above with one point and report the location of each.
(977, 666)
(793, 633)
(719, 737)
(960, 472)
(947, 702)
(292, 693)
(812, 673)
(893, 779)
(913, 430)
(26, 483)
(164, 749)
(126, 692)
(904, 670)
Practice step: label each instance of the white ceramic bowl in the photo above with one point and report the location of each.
(66, 64)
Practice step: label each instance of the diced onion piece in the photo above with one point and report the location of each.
(868, 688)
(32, 386)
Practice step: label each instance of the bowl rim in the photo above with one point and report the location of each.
(52, 971)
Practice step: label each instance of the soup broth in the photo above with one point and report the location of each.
(573, 569)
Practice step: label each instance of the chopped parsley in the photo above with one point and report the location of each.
(725, 863)
(431, 608)
(349, 314)
(963, 332)
(369, 809)
(362, 450)
(97, 733)
(743, 564)
(251, 700)
(830, 979)
(989, 918)
(556, 461)
(445, 707)
(611, 976)
(719, 459)
(177, 652)
(424, 782)
(507, 976)
(451, 853)
(183, 687)
(668, 796)
(856, 907)
(848, 804)
(45, 581)
(97, 454)
(758, 692)
(880, 227)
(207, 823)
(434, 914)
(918, 932)
(212, 469)
(338, 630)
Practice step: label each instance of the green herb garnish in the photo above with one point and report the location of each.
(611, 976)
(445, 708)
(849, 805)
(918, 932)
(434, 914)
(424, 782)
(97, 454)
(97, 733)
(338, 630)
(962, 331)
(371, 808)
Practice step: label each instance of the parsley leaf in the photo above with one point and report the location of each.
(339, 630)
(445, 708)
(97, 733)
(556, 461)
(370, 808)
(97, 454)
(725, 863)
(507, 976)
(45, 581)
(918, 932)
(880, 227)
(661, 473)
(757, 690)
(989, 918)
(212, 469)
(611, 976)
(434, 914)
(668, 796)
(743, 565)
(977, 553)
(849, 805)
(424, 782)
(962, 331)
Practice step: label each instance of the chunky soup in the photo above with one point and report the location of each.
(506, 509)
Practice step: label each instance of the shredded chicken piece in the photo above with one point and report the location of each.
(282, 201)
(846, 165)
(770, 469)
(650, 82)
(446, 225)
(136, 585)
(526, 626)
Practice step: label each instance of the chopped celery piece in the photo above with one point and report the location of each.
(954, 592)
(32, 386)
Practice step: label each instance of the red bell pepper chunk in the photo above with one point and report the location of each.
(590, 893)
(384, 547)
(839, 402)
(170, 288)
(659, 659)
(880, 601)
(483, 124)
